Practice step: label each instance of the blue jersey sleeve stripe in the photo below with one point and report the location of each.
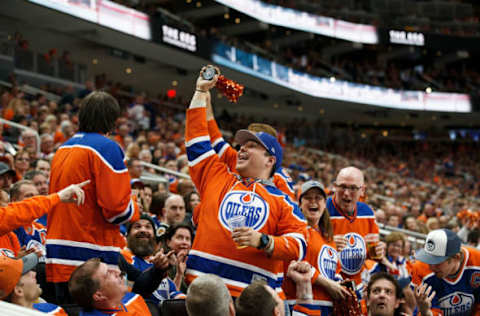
(201, 158)
(196, 150)
(228, 271)
(81, 254)
(124, 216)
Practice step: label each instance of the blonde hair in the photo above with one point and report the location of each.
(260, 127)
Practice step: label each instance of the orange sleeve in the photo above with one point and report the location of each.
(23, 213)
(225, 152)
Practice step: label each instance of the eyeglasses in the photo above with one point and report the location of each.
(23, 159)
(351, 188)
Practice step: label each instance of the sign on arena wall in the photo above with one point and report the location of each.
(304, 21)
(104, 12)
(337, 89)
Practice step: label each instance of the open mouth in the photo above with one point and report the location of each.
(313, 209)
(242, 156)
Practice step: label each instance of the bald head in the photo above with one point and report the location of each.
(352, 174)
(174, 209)
(349, 187)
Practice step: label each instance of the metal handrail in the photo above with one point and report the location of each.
(23, 127)
(165, 170)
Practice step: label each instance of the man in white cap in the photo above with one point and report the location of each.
(18, 284)
(447, 276)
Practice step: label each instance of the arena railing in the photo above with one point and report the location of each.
(165, 170)
(25, 128)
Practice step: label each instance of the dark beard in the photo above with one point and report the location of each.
(140, 247)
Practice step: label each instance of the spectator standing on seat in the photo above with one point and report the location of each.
(76, 234)
(273, 225)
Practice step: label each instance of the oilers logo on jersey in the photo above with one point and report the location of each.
(353, 255)
(244, 203)
(456, 304)
(327, 261)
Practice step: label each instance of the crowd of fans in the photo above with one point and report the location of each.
(420, 188)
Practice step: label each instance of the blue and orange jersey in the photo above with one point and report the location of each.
(224, 195)
(139, 263)
(166, 290)
(33, 235)
(311, 310)
(457, 296)
(78, 233)
(355, 229)
(50, 309)
(132, 305)
(322, 255)
(227, 154)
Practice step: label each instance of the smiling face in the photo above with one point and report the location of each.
(253, 161)
(181, 240)
(312, 204)
(395, 249)
(141, 238)
(382, 300)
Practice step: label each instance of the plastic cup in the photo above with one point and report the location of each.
(237, 221)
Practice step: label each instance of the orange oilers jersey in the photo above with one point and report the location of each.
(355, 229)
(224, 195)
(132, 305)
(227, 154)
(456, 297)
(78, 233)
(322, 255)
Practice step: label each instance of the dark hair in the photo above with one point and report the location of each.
(98, 113)
(173, 229)
(324, 224)
(32, 174)
(82, 285)
(158, 202)
(187, 198)
(473, 236)
(255, 300)
(384, 276)
(35, 163)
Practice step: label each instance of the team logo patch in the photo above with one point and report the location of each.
(245, 203)
(353, 255)
(327, 261)
(457, 303)
(475, 280)
(430, 246)
(7, 253)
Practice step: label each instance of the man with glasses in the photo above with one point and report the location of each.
(268, 225)
(353, 224)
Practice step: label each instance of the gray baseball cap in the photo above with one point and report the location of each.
(310, 185)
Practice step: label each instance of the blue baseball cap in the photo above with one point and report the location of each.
(269, 142)
(440, 245)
